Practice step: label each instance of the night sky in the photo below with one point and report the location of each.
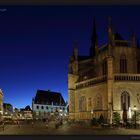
(36, 43)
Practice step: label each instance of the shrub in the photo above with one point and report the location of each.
(94, 121)
(116, 117)
(137, 116)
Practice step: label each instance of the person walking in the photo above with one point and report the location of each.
(32, 124)
(47, 123)
(3, 126)
(18, 124)
(56, 122)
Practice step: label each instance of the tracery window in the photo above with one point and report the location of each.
(138, 66)
(89, 104)
(98, 102)
(123, 64)
(125, 101)
(82, 103)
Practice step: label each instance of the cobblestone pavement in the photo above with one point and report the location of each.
(65, 129)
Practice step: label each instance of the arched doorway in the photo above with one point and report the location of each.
(125, 104)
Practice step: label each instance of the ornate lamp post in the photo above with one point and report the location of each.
(135, 114)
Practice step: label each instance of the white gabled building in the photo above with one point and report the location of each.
(48, 103)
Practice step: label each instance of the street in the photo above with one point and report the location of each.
(65, 129)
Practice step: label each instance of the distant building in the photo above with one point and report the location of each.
(105, 81)
(47, 103)
(26, 113)
(1, 104)
(16, 114)
(7, 110)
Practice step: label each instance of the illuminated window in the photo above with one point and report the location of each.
(125, 101)
(123, 64)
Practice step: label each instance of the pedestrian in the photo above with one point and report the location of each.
(47, 123)
(56, 123)
(3, 125)
(32, 124)
(18, 124)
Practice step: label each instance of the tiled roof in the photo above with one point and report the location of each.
(7, 104)
(47, 97)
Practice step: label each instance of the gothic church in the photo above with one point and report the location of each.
(105, 81)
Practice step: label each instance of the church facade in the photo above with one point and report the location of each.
(105, 81)
(1, 105)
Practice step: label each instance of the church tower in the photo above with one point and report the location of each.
(72, 78)
(94, 41)
(94, 50)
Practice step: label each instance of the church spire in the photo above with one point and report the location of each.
(94, 40)
(110, 33)
(110, 36)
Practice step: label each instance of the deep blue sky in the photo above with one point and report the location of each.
(36, 43)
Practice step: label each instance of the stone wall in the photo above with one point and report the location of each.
(91, 92)
(133, 88)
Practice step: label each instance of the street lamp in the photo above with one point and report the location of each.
(135, 114)
(91, 113)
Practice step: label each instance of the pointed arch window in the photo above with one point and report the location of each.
(98, 102)
(82, 103)
(89, 104)
(125, 101)
(138, 66)
(123, 64)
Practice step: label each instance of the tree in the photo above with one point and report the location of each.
(116, 117)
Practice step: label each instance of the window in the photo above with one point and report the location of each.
(82, 103)
(123, 64)
(89, 103)
(47, 107)
(37, 107)
(104, 67)
(42, 107)
(138, 66)
(98, 102)
(125, 101)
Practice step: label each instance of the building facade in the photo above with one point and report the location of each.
(26, 113)
(1, 104)
(7, 110)
(105, 81)
(48, 103)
